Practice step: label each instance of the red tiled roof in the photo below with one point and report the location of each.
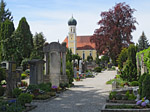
(83, 43)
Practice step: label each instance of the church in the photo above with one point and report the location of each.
(79, 45)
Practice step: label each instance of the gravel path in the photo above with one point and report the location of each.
(88, 95)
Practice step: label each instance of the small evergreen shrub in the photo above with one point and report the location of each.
(98, 69)
(16, 92)
(24, 98)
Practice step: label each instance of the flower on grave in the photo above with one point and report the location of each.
(139, 102)
(12, 101)
(143, 102)
(54, 87)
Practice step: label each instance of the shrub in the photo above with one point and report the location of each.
(112, 95)
(146, 87)
(45, 87)
(118, 97)
(16, 92)
(131, 97)
(98, 69)
(24, 98)
(69, 71)
(127, 94)
(14, 107)
(1, 90)
(89, 58)
(134, 83)
(42, 97)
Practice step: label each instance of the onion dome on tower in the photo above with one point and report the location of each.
(72, 21)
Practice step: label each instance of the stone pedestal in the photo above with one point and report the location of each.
(36, 71)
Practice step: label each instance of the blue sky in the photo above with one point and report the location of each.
(51, 16)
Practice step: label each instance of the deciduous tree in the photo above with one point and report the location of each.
(115, 30)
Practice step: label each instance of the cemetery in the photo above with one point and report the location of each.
(102, 72)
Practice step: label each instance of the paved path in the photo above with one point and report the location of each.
(88, 95)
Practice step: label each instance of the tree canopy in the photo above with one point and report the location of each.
(115, 30)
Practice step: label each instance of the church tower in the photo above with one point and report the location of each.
(72, 35)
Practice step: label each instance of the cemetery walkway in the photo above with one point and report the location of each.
(88, 95)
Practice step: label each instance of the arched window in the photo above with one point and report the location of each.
(83, 55)
(90, 53)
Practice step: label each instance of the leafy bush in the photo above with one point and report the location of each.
(89, 58)
(127, 94)
(131, 97)
(16, 92)
(42, 97)
(1, 90)
(118, 97)
(69, 71)
(146, 87)
(113, 68)
(112, 95)
(24, 98)
(134, 83)
(45, 87)
(98, 69)
(14, 107)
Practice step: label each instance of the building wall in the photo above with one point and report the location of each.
(87, 53)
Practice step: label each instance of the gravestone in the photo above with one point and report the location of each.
(10, 68)
(36, 71)
(56, 52)
(80, 66)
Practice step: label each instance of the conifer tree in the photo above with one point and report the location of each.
(7, 28)
(142, 42)
(4, 15)
(25, 38)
